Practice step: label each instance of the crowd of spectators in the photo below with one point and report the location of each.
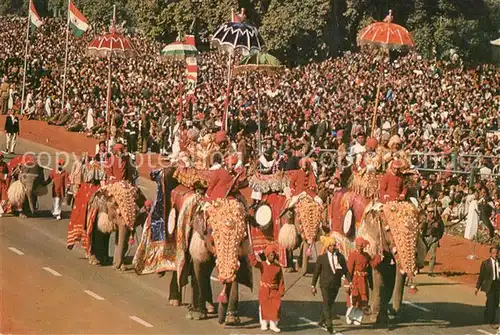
(445, 113)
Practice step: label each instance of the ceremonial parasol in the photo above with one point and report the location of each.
(388, 36)
(236, 37)
(181, 49)
(106, 46)
(261, 62)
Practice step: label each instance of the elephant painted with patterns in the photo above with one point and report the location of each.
(196, 254)
(104, 215)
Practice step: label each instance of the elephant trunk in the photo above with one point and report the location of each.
(31, 200)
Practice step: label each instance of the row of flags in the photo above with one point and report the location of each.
(77, 22)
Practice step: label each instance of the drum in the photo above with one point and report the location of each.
(263, 216)
(348, 223)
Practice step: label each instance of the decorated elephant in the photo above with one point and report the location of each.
(190, 237)
(29, 184)
(392, 229)
(294, 222)
(118, 207)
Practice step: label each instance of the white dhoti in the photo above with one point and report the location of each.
(56, 205)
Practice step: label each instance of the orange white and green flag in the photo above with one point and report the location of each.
(77, 21)
(35, 19)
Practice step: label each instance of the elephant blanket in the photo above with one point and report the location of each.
(157, 250)
(77, 228)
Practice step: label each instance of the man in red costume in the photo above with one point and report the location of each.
(223, 180)
(272, 288)
(119, 167)
(4, 184)
(303, 182)
(60, 184)
(392, 184)
(358, 264)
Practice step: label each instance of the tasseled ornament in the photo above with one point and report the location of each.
(131, 240)
(222, 297)
(413, 289)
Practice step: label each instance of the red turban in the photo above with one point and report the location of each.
(148, 203)
(304, 161)
(231, 160)
(220, 137)
(118, 147)
(371, 143)
(272, 247)
(340, 133)
(361, 242)
(29, 159)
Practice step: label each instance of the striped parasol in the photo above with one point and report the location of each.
(181, 49)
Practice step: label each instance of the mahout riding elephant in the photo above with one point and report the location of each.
(189, 237)
(29, 185)
(120, 208)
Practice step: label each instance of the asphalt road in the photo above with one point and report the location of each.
(47, 289)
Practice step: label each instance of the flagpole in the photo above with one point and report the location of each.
(25, 58)
(108, 99)
(66, 59)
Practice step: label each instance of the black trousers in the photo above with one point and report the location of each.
(132, 143)
(329, 295)
(492, 300)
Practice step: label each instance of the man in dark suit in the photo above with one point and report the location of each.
(11, 132)
(330, 267)
(489, 283)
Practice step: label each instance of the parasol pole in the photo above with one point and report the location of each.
(25, 58)
(108, 99)
(66, 59)
(377, 98)
(226, 103)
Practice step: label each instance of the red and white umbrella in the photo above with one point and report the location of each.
(181, 49)
(106, 46)
(112, 42)
(386, 34)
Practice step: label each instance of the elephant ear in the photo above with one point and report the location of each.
(370, 230)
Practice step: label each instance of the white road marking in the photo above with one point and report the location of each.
(16, 251)
(310, 322)
(93, 295)
(141, 321)
(416, 306)
(54, 272)
(484, 332)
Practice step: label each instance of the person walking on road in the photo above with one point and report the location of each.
(4, 184)
(60, 185)
(489, 283)
(432, 232)
(272, 288)
(11, 132)
(330, 267)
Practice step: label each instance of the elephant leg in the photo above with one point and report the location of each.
(376, 293)
(121, 246)
(397, 295)
(100, 246)
(198, 311)
(207, 286)
(175, 294)
(232, 307)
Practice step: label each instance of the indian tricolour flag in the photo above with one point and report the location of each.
(35, 20)
(77, 22)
